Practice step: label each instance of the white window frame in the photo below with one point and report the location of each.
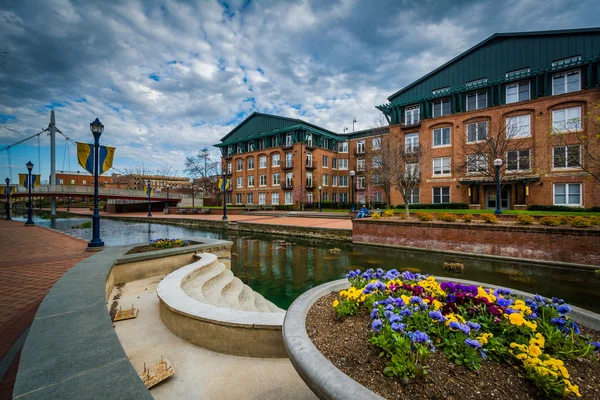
(239, 164)
(412, 196)
(517, 85)
(289, 160)
(288, 198)
(343, 181)
(376, 143)
(251, 181)
(411, 141)
(412, 115)
(519, 124)
(249, 198)
(519, 169)
(309, 139)
(567, 192)
(239, 198)
(334, 180)
(441, 161)
(240, 182)
(441, 102)
(262, 165)
(441, 195)
(262, 178)
(251, 145)
(342, 147)
(477, 131)
(240, 148)
(441, 131)
(262, 198)
(478, 94)
(275, 198)
(289, 140)
(325, 180)
(360, 164)
(229, 167)
(360, 146)
(360, 182)
(249, 162)
(325, 161)
(343, 164)
(479, 162)
(566, 81)
(275, 160)
(565, 150)
(572, 124)
(289, 179)
(276, 179)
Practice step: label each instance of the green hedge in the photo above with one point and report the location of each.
(441, 206)
(541, 207)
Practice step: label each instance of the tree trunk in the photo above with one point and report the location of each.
(406, 208)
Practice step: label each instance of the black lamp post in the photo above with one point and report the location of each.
(30, 208)
(167, 203)
(498, 164)
(224, 183)
(352, 173)
(7, 180)
(149, 191)
(320, 199)
(96, 243)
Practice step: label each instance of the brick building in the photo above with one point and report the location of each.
(78, 178)
(139, 181)
(529, 91)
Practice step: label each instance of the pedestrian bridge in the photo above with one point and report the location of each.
(88, 191)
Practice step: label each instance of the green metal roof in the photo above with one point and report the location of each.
(502, 53)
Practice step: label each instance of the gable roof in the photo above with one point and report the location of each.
(497, 37)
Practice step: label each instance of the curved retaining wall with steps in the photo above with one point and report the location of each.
(204, 304)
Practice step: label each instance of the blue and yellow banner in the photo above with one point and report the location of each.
(224, 184)
(24, 181)
(148, 191)
(8, 190)
(85, 157)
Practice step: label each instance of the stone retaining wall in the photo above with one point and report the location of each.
(567, 245)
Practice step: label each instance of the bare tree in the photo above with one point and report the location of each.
(166, 172)
(134, 173)
(204, 169)
(374, 166)
(581, 139)
(400, 166)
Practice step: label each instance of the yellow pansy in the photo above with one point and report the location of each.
(336, 303)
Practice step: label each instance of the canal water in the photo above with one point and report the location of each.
(282, 268)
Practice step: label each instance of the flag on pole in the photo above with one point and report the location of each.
(224, 184)
(8, 190)
(85, 157)
(149, 190)
(24, 181)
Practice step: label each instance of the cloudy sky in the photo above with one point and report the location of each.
(168, 78)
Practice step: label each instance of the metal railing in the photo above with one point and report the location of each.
(74, 190)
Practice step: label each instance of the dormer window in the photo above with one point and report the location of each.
(476, 82)
(476, 100)
(251, 146)
(441, 107)
(411, 115)
(239, 148)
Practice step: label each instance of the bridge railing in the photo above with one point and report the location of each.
(89, 190)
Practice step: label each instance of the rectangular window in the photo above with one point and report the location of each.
(240, 164)
(275, 160)
(334, 163)
(334, 180)
(441, 107)
(275, 198)
(239, 148)
(377, 197)
(262, 144)
(411, 171)
(229, 167)
(238, 198)
(441, 195)
(251, 181)
(325, 180)
(376, 180)
(289, 198)
(289, 179)
(251, 163)
(567, 194)
(518, 160)
(250, 198)
(566, 82)
(518, 91)
(376, 143)
(441, 166)
(377, 162)
(333, 197)
(343, 163)
(360, 164)
(476, 131)
(262, 198)
(262, 180)
(518, 126)
(61, 181)
(325, 197)
(325, 161)
(343, 181)
(411, 141)
(288, 160)
(413, 196)
(262, 162)
(360, 182)
(411, 115)
(275, 179)
(477, 163)
(441, 137)
(309, 140)
(325, 143)
(343, 147)
(289, 140)
(309, 181)
(566, 120)
(566, 157)
(229, 150)
(343, 197)
(240, 182)
(476, 100)
(251, 145)
(360, 146)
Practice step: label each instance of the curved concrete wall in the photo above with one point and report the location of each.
(236, 332)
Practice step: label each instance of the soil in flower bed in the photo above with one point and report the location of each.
(149, 247)
(345, 343)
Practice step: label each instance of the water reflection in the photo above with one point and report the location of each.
(283, 269)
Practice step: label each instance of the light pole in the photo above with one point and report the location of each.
(30, 208)
(149, 191)
(352, 173)
(96, 243)
(224, 187)
(7, 180)
(353, 122)
(167, 203)
(320, 199)
(498, 164)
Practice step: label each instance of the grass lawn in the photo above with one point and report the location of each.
(508, 212)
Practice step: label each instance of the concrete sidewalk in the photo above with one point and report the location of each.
(332, 223)
(33, 259)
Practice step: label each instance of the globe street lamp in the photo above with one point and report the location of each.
(320, 199)
(29, 184)
(96, 243)
(498, 164)
(352, 173)
(149, 191)
(7, 180)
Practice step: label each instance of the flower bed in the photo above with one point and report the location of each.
(160, 244)
(424, 331)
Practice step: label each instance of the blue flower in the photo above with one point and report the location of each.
(388, 313)
(532, 316)
(458, 326)
(540, 299)
(502, 292)
(558, 321)
(564, 309)
(366, 276)
(419, 337)
(596, 345)
(437, 316)
(406, 312)
(556, 300)
(473, 325)
(511, 311)
(575, 328)
(416, 299)
(374, 313)
(382, 287)
(399, 303)
(409, 276)
(397, 327)
(351, 275)
(370, 288)
(504, 302)
(483, 355)
(395, 318)
(473, 343)
(389, 307)
(376, 325)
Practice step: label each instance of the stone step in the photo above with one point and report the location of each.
(193, 287)
(213, 288)
(261, 303)
(246, 299)
(231, 293)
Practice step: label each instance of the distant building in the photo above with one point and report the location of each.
(78, 178)
(138, 182)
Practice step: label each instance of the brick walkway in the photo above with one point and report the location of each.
(33, 259)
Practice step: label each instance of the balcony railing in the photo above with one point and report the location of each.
(310, 185)
(287, 186)
(74, 190)
(288, 145)
(311, 164)
(359, 152)
(288, 165)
